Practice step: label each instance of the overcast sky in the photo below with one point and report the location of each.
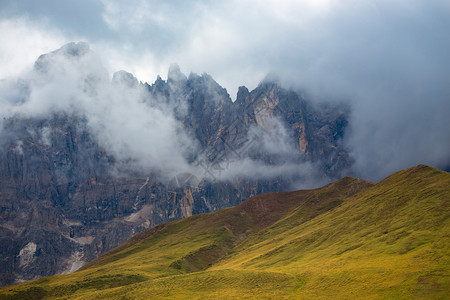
(389, 58)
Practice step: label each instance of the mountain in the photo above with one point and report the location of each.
(86, 162)
(348, 239)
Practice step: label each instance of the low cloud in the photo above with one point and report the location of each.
(141, 132)
(73, 80)
(389, 59)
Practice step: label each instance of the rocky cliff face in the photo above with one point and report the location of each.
(66, 197)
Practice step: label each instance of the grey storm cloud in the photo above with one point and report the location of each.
(389, 59)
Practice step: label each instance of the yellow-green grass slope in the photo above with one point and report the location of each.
(349, 239)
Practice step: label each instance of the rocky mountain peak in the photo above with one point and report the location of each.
(124, 78)
(270, 80)
(74, 49)
(69, 51)
(242, 94)
(206, 86)
(175, 75)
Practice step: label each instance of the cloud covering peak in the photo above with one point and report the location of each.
(73, 80)
(388, 58)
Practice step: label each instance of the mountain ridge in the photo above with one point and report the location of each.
(264, 210)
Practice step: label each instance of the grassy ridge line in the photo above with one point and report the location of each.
(229, 227)
(391, 240)
(349, 239)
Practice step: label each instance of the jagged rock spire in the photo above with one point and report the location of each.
(174, 74)
(125, 78)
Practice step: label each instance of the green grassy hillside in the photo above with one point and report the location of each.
(348, 239)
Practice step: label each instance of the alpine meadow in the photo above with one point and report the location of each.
(348, 239)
